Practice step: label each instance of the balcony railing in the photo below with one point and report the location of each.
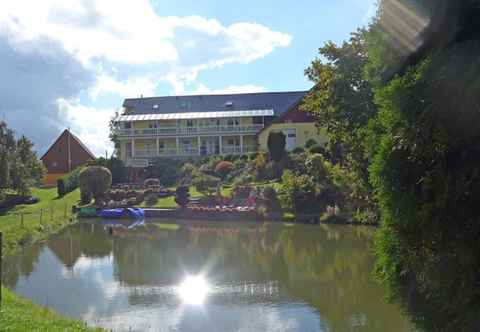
(186, 131)
(185, 152)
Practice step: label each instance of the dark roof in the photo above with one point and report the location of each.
(280, 102)
(75, 138)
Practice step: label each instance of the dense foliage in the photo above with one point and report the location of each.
(207, 185)
(19, 165)
(95, 180)
(276, 145)
(426, 165)
(223, 168)
(68, 182)
(116, 167)
(168, 171)
(343, 102)
(182, 195)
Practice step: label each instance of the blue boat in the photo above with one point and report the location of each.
(122, 213)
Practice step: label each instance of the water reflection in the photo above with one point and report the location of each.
(201, 277)
(193, 290)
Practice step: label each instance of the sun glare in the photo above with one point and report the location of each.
(193, 290)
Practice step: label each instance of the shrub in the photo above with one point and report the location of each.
(151, 182)
(311, 142)
(273, 209)
(276, 145)
(259, 165)
(167, 171)
(206, 184)
(299, 193)
(68, 182)
(252, 156)
(85, 197)
(182, 195)
(298, 150)
(316, 167)
(131, 194)
(317, 149)
(139, 198)
(131, 201)
(61, 187)
(241, 192)
(223, 168)
(151, 199)
(116, 167)
(95, 180)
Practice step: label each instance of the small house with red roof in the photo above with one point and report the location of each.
(66, 153)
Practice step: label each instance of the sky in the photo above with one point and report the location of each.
(70, 64)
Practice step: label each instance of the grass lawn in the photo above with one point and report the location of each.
(55, 213)
(17, 314)
(169, 202)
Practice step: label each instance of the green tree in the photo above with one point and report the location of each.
(343, 102)
(342, 99)
(25, 169)
(7, 147)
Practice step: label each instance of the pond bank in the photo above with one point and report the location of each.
(17, 314)
(24, 225)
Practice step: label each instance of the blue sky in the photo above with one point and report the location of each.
(71, 65)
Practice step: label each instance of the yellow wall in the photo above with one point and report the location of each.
(249, 140)
(140, 124)
(305, 131)
(141, 144)
(169, 143)
(246, 121)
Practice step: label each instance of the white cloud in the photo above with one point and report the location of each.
(89, 124)
(128, 48)
(130, 32)
(132, 87)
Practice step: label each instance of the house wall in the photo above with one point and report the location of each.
(304, 131)
(56, 158)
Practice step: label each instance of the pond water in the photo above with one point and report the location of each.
(208, 277)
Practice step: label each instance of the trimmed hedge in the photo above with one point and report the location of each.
(68, 182)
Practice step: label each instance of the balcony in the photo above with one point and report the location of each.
(189, 131)
(187, 152)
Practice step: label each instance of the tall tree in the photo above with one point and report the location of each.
(343, 102)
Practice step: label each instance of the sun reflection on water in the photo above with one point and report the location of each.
(193, 290)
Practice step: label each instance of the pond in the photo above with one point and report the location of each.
(208, 277)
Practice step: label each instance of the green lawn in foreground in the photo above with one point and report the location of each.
(61, 208)
(17, 314)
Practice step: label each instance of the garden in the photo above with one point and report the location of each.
(302, 185)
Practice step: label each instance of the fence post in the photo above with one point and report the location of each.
(51, 213)
(1, 261)
(21, 219)
(41, 215)
(65, 210)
